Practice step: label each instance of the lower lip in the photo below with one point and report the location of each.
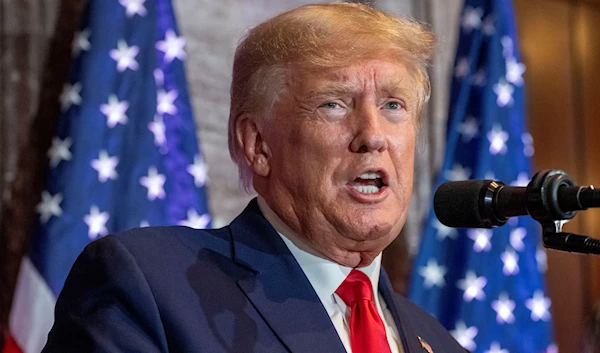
(369, 198)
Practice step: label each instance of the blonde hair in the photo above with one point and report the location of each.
(319, 36)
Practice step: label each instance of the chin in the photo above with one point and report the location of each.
(368, 227)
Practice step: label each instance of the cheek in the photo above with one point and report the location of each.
(402, 146)
(309, 154)
(324, 144)
(402, 151)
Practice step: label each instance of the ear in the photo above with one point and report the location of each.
(255, 148)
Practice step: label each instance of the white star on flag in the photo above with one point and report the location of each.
(196, 221)
(507, 47)
(125, 55)
(481, 238)
(489, 175)
(49, 206)
(115, 111)
(465, 336)
(504, 309)
(497, 138)
(522, 180)
(457, 173)
(552, 349)
(157, 127)
(433, 274)
(516, 238)
(59, 151)
(105, 166)
(172, 46)
(165, 102)
(542, 259)
(504, 91)
(510, 259)
(539, 306)
(198, 170)
(154, 182)
(70, 95)
(514, 72)
(444, 232)
(471, 19)
(81, 42)
(159, 77)
(469, 129)
(495, 348)
(462, 68)
(488, 26)
(527, 140)
(134, 7)
(472, 286)
(96, 222)
(480, 78)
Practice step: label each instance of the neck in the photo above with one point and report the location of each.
(312, 245)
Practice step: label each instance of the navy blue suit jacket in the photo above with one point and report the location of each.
(234, 289)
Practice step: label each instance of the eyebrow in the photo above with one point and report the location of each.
(333, 88)
(397, 87)
(340, 88)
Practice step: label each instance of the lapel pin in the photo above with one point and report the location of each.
(425, 345)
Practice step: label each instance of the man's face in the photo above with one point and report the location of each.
(342, 145)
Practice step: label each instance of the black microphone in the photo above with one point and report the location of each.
(488, 203)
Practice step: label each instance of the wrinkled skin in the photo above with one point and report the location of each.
(328, 127)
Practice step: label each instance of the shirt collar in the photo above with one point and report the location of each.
(324, 275)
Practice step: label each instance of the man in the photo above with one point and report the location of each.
(325, 107)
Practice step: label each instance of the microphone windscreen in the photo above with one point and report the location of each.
(456, 203)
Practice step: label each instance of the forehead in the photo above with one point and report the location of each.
(379, 75)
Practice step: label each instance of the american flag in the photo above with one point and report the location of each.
(487, 286)
(125, 153)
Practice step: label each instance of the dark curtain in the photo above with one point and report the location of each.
(34, 59)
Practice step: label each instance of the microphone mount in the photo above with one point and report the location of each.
(542, 198)
(543, 205)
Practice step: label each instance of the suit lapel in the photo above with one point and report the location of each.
(408, 335)
(278, 289)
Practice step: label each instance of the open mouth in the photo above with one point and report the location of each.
(369, 183)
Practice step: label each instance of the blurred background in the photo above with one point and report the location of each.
(560, 48)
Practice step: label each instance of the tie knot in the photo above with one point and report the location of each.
(355, 287)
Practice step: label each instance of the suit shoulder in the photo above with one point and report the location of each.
(164, 236)
(155, 243)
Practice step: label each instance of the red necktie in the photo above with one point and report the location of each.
(367, 331)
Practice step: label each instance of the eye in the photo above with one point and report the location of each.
(333, 110)
(393, 105)
(330, 105)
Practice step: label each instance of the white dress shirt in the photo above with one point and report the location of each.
(326, 276)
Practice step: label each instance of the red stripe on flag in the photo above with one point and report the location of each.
(10, 346)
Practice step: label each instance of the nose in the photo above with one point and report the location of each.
(370, 133)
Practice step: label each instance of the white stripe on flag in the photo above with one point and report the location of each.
(32, 313)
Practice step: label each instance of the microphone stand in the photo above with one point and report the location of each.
(542, 205)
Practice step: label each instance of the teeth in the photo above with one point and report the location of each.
(366, 189)
(370, 176)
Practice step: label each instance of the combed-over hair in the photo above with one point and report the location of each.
(328, 35)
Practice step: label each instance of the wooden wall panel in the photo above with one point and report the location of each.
(587, 27)
(553, 96)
